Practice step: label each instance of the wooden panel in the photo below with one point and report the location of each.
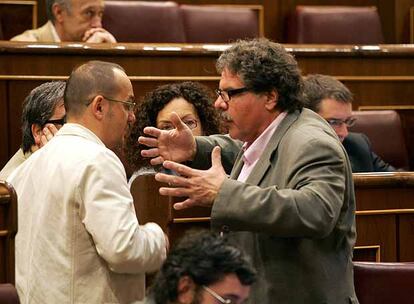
(152, 207)
(8, 230)
(378, 230)
(367, 253)
(4, 127)
(16, 16)
(406, 237)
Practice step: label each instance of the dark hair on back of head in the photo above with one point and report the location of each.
(318, 87)
(204, 257)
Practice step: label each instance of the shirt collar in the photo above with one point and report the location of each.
(253, 152)
(55, 35)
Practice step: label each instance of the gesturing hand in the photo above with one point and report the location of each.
(200, 186)
(176, 145)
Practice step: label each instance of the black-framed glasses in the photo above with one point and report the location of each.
(191, 123)
(217, 296)
(129, 105)
(226, 95)
(336, 123)
(60, 121)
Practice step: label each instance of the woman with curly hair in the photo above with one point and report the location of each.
(192, 101)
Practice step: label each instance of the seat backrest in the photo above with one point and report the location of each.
(384, 283)
(8, 294)
(143, 21)
(8, 230)
(151, 206)
(385, 132)
(335, 25)
(16, 17)
(220, 24)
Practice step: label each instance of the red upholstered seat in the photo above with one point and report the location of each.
(384, 283)
(142, 21)
(385, 132)
(8, 294)
(219, 24)
(335, 25)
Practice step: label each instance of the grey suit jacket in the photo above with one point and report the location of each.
(295, 215)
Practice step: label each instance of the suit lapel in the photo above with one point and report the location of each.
(238, 165)
(264, 163)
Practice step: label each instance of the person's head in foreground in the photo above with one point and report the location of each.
(332, 100)
(192, 102)
(203, 268)
(259, 80)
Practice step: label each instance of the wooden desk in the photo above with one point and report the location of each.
(384, 216)
(378, 76)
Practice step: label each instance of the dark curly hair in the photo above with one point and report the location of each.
(206, 258)
(146, 115)
(264, 66)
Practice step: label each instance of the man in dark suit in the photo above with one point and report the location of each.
(289, 201)
(333, 101)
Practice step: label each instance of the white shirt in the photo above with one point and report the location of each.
(78, 237)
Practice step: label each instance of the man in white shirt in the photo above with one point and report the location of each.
(78, 238)
(70, 20)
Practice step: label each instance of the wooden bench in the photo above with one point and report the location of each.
(384, 216)
(8, 230)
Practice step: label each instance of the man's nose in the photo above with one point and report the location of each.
(220, 104)
(96, 21)
(342, 130)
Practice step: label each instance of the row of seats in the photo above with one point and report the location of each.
(169, 22)
(335, 25)
(376, 125)
(140, 21)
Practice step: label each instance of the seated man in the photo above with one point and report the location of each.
(203, 268)
(70, 20)
(43, 114)
(333, 101)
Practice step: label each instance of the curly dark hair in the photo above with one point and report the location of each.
(264, 66)
(206, 258)
(153, 102)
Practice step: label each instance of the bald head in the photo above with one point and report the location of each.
(87, 81)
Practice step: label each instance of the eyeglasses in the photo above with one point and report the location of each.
(226, 95)
(336, 123)
(129, 105)
(60, 121)
(191, 123)
(217, 296)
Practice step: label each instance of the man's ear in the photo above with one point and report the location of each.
(37, 133)
(185, 290)
(57, 11)
(272, 99)
(98, 107)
